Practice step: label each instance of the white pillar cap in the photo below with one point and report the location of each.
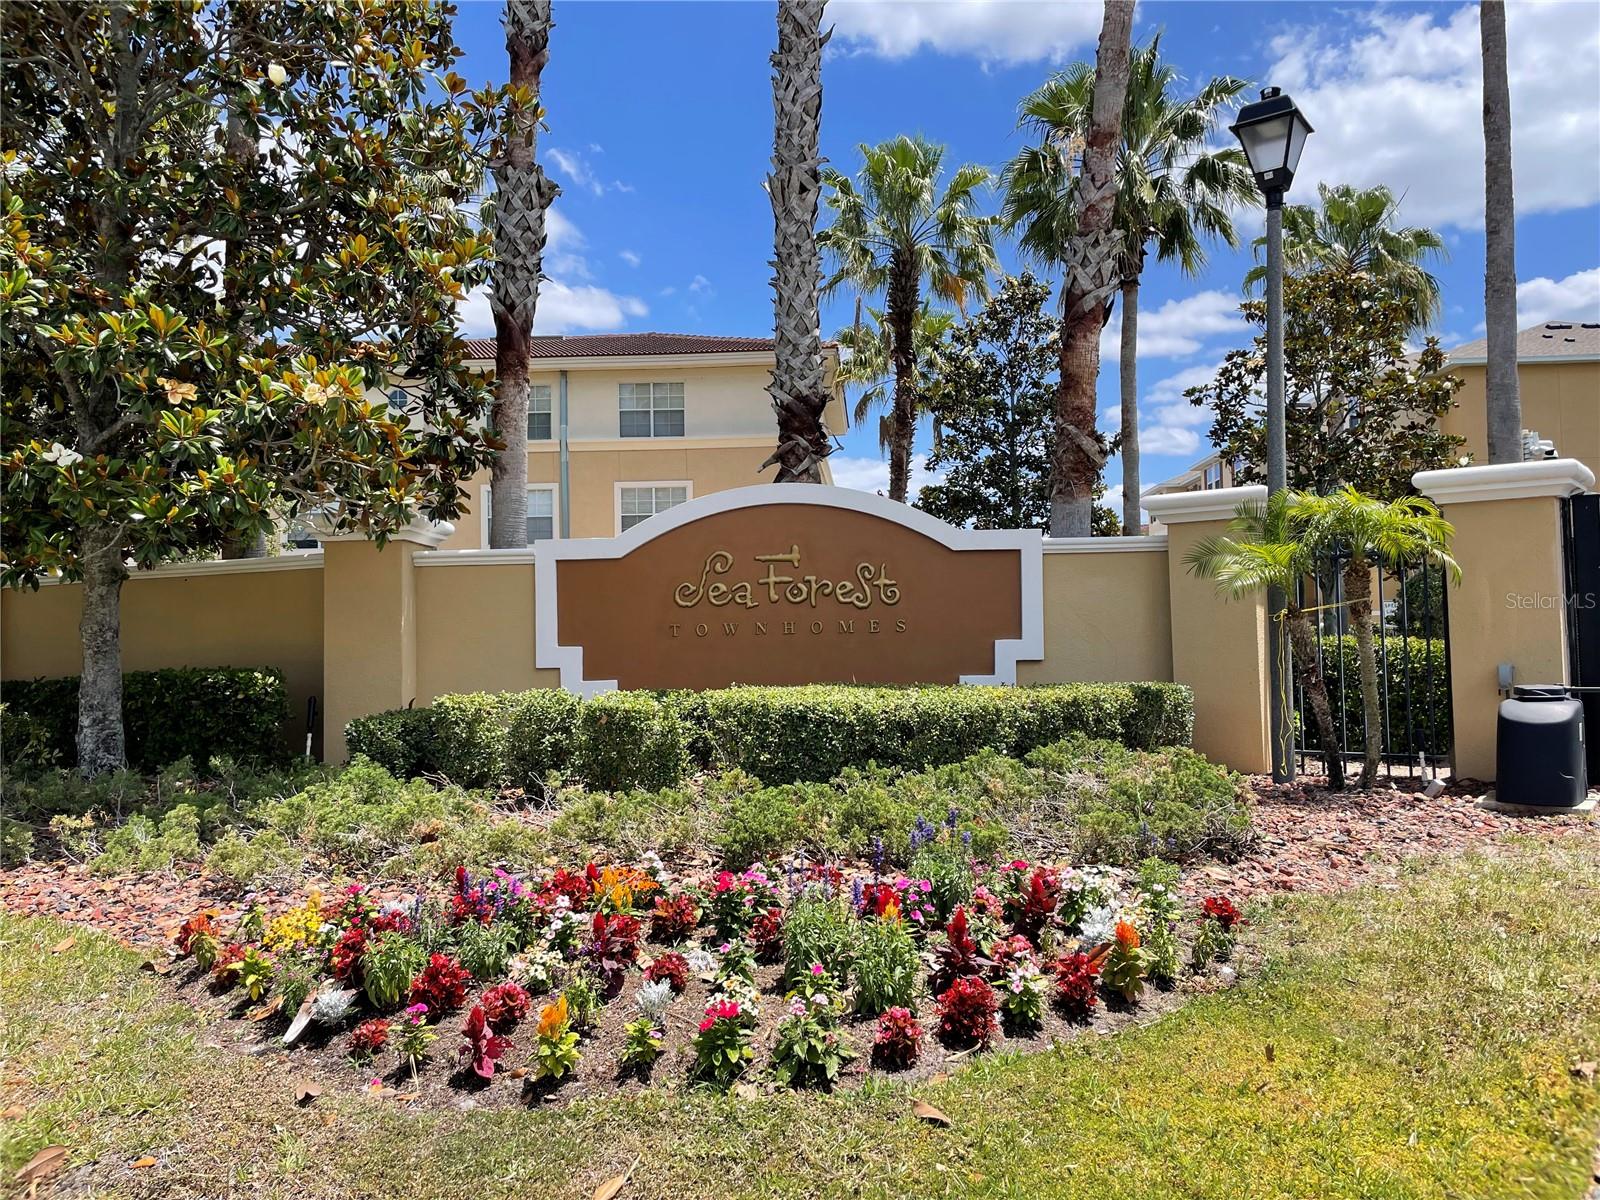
(1217, 504)
(1556, 477)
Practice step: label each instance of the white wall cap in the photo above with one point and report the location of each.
(1217, 504)
(1130, 543)
(421, 531)
(1556, 477)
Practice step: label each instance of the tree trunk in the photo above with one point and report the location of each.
(1091, 277)
(1358, 594)
(1132, 518)
(1309, 676)
(100, 737)
(1504, 403)
(522, 195)
(799, 388)
(902, 317)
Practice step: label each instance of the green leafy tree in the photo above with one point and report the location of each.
(868, 365)
(995, 405)
(189, 327)
(1366, 534)
(1172, 193)
(893, 230)
(1354, 231)
(1364, 411)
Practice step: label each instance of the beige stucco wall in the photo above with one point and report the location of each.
(475, 631)
(1107, 617)
(251, 618)
(369, 633)
(1508, 608)
(1219, 650)
(1559, 399)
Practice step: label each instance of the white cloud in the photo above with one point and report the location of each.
(993, 31)
(1396, 98)
(630, 257)
(700, 286)
(566, 303)
(1575, 298)
(581, 172)
(1179, 327)
(1168, 423)
(865, 474)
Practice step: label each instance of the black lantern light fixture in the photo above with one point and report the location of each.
(1273, 133)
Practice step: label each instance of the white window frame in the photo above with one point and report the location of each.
(652, 384)
(484, 492)
(616, 501)
(1206, 476)
(549, 398)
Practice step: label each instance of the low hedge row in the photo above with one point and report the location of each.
(777, 734)
(188, 712)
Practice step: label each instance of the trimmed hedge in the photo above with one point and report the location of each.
(1407, 716)
(188, 712)
(777, 734)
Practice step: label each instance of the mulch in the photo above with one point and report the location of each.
(1312, 840)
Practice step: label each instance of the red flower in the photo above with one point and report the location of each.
(505, 1004)
(766, 935)
(1075, 984)
(347, 952)
(672, 967)
(722, 1010)
(674, 918)
(198, 924)
(442, 984)
(369, 1037)
(481, 1048)
(1221, 910)
(967, 1012)
(899, 1039)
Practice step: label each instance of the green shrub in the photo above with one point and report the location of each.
(630, 740)
(762, 822)
(673, 821)
(1125, 805)
(1414, 688)
(16, 842)
(27, 746)
(188, 712)
(540, 737)
(400, 741)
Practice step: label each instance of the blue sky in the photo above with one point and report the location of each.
(660, 127)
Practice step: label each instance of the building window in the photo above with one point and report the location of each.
(638, 501)
(651, 409)
(539, 413)
(541, 513)
(1213, 477)
(397, 398)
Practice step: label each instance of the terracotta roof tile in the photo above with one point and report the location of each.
(609, 345)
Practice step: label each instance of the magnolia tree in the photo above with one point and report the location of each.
(222, 224)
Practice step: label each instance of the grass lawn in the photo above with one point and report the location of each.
(1410, 1042)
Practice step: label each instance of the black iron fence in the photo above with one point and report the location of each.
(1410, 607)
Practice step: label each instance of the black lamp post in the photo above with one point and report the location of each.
(1273, 133)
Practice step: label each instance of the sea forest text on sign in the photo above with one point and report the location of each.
(869, 584)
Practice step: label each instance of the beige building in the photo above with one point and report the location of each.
(623, 426)
(1558, 376)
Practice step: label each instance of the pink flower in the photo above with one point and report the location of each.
(816, 970)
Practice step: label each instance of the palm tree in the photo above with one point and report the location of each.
(1354, 230)
(1262, 549)
(894, 229)
(1504, 401)
(798, 390)
(1172, 194)
(523, 193)
(1370, 533)
(869, 364)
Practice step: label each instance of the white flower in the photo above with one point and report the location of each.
(61, 455)
(277, 74)
(1098, 924)
(701, 961)
(329, 1006)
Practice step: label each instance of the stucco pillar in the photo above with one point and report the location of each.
(1219, 645)
(1511, 604)
(369, 627)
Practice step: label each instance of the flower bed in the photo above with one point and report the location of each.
(509, 987)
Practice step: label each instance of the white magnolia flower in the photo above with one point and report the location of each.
(61, 455)
(277, 74)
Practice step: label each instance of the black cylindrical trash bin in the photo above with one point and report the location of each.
(1540, 748)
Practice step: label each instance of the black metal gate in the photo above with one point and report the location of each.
(1581, 539)
(1411, 621)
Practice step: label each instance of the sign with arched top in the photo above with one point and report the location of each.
(789, 584)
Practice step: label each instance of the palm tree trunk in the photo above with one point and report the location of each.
(100, 736)
(523, 193)
(1504, 403)
(1309, 675)
(1358, 593)
(1091, 277)
(798, 389)
(902, 317)
(1128, 369)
